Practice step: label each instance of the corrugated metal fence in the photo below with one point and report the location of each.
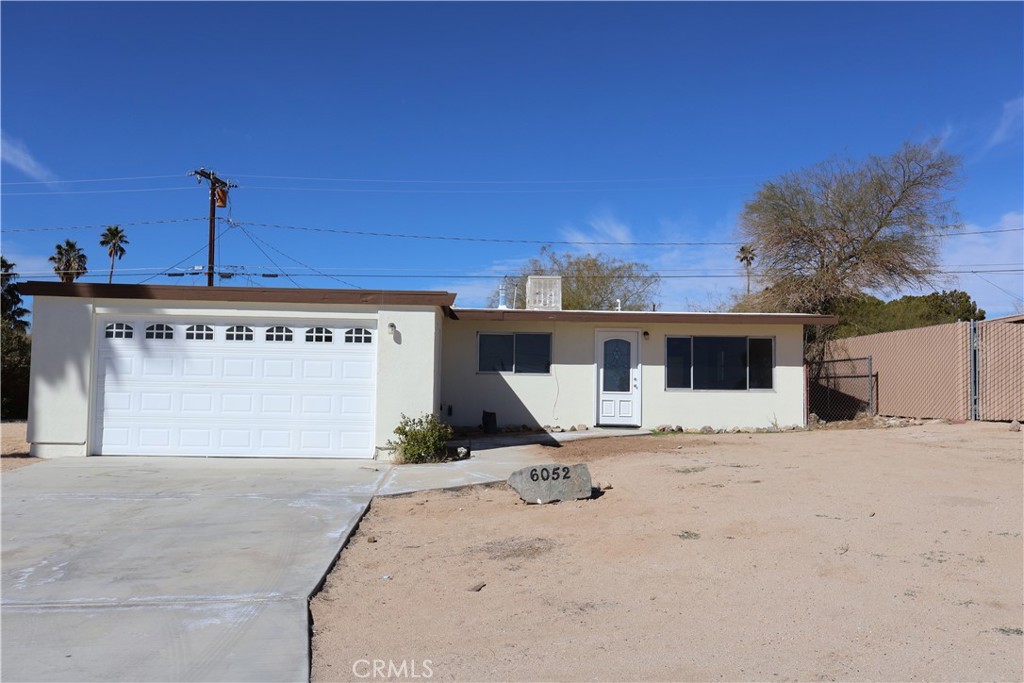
(958, 371)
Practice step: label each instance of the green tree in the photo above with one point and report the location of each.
(15, 347)
(589, 282)
(825, 234)
(114, 239)
(13, 312)
(870, 315)
(15, 359)
(69, 261)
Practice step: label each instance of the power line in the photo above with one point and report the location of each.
(368, 190)
(493, 182)
(254, 240)
(167, 270)
(55, 192)
(509, 240)
(1015, 296)
(102, 227)
(90, 180)
(493, 240)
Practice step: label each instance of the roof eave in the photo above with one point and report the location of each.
(270, 295)
(499, 314)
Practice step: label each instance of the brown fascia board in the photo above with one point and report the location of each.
(641, 317)
(264, 295)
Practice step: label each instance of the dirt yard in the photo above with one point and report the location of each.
(14, 449)
(883, 555)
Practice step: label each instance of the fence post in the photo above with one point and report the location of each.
(871, 388)
(973, 407)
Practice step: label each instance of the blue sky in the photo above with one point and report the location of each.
(606, 122)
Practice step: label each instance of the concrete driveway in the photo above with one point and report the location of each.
(190, 569)
(170, 569)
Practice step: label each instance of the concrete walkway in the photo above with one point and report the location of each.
(185, 569)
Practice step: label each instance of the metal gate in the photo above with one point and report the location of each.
(841, 389)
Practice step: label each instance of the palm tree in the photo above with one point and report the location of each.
(114, 239)
(69, 261)
(746, 256)
(13, 311)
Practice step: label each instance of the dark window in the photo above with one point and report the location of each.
(616, 365)
(533, 353)
(358, 335)
(319, 335)
(677, 362)
(496, 352)
(119, 331)
(521, 353)
(238, 333)
(159, 331)
(761, 363)
(279, 333)
(720, 363)
(199, 332)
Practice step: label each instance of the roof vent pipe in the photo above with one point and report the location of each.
(501, 295)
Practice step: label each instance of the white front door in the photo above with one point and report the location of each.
(618, 377)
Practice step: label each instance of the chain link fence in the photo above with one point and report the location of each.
(999, 394)
(958, 371)
(841, 388)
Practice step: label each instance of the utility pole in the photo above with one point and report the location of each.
(218, 197)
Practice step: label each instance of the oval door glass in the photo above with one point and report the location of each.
(616, 365)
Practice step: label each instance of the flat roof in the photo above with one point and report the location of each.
(521, 315)
(268, 295)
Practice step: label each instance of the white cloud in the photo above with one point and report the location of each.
(14, 153)
(1010, 124)
(602, 228)
(945, 135)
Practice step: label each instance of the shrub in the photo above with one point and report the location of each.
(421, 439)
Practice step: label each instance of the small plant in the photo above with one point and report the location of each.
(421, 439)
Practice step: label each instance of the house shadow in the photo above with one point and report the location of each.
(478, 440)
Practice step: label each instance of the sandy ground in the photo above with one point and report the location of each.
(15, 448)
(883, 555)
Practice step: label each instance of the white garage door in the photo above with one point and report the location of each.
(274, 389)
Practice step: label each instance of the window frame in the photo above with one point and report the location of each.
(747, 356)
(279, 334)
(514, 364)
(159, 332)
(358, 335)
(118, 330)
(199, 332)
(239, 333)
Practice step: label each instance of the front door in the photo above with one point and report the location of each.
(618, 378)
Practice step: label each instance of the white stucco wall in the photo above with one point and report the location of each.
(60, 380)
(408, 379)
(63, 376)
(568, 395)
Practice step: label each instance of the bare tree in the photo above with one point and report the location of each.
(828, 233)
(589, 282)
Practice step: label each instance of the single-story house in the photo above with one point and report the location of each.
(229, 371)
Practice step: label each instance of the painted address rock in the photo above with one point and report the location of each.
(548, 483)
